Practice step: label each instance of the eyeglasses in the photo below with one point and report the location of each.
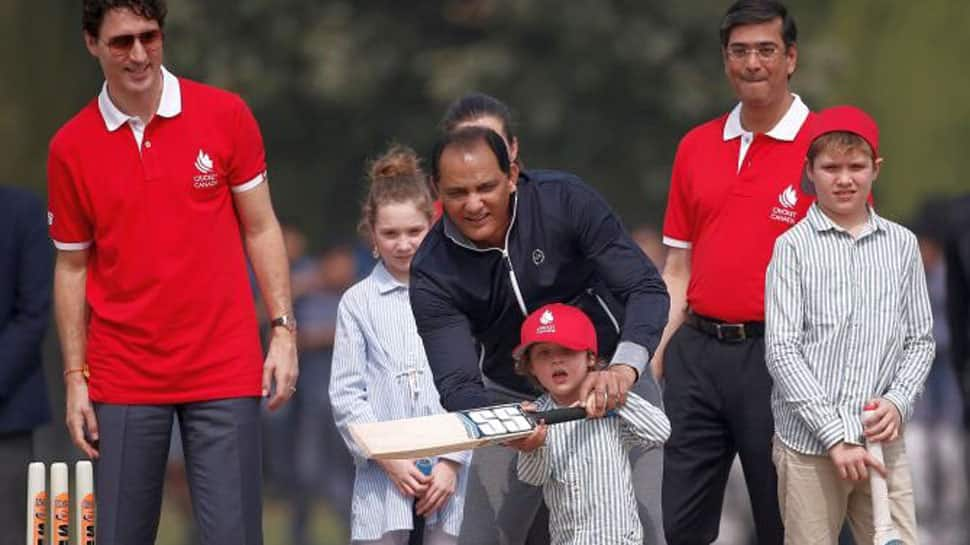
(121, 45)
(765, 52)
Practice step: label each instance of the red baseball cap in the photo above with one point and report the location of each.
(846, 119)
(560, 324)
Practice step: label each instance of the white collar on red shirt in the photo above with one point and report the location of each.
(786, 129)
(169, 106)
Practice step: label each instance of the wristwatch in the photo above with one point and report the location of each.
(285, 321)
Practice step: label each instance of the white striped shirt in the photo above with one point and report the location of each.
(584, 471)
(380, 372)
(847, 319)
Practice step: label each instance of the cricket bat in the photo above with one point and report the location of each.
(885, 533)
(452, 432)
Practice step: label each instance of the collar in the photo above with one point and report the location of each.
(820, 222)
(386, 283)
(786, 129)
(455, 234)
(170, 104)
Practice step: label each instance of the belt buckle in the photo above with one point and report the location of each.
(739, 336)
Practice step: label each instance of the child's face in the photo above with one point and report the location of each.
(398, 231)
(843, 181)
(559, 370)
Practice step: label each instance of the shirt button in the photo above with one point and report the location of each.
(148, 143)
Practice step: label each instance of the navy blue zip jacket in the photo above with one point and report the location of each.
(26, 269)
(564, 244)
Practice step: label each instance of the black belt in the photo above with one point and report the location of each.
(732, 333)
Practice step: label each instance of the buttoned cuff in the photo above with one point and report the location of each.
(632, 354)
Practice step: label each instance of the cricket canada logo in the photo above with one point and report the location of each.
(207, 176)
(547, 323)
(788, 199)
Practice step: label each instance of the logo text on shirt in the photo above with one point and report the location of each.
(788, 199)
(207, 176)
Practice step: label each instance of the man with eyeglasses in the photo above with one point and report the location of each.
(157, 194)
(735, 188)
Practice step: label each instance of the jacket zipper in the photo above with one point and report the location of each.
(515, 282)
(505, 256)
(508, 262)
(606, 309)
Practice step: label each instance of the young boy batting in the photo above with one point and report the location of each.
(848, 324)
(583, 466)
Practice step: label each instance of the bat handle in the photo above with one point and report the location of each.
(882, 522)
(556, 416)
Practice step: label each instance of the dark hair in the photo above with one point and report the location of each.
(95, 10)
(465, 137)
(476, 105)
(395, 177)
(750, 12)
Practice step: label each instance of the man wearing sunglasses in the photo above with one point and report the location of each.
(157, 193)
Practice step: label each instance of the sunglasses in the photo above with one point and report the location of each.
(121, 45)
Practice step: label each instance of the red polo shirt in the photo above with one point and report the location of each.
(172, 315)
(731, 194)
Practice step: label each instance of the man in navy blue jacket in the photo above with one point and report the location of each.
(508, 243)
(25, 283)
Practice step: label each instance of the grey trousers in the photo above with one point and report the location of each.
(502, 510)
(220, 440)
(16, 451)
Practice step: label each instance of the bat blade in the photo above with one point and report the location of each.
(451, 432)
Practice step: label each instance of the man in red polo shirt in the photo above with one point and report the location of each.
(735, 188)
(157, 193)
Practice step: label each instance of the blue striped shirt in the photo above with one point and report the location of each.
(847, 319)
(380, 372)
(584, 471)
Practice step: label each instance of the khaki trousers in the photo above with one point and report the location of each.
(815, 501)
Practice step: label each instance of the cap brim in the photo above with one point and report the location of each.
(520, 350)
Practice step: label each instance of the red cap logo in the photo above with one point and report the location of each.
(559, 324)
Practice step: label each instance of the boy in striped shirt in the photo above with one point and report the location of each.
(584, 465)
(848, 323)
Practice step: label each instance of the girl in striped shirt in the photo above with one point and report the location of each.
(584, 465)
(380, 371)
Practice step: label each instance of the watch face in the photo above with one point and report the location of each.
(284, 321)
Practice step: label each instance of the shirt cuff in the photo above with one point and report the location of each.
(675, 243)
(831, 434)
(71, 246)
(251, 184)
(632, 354)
